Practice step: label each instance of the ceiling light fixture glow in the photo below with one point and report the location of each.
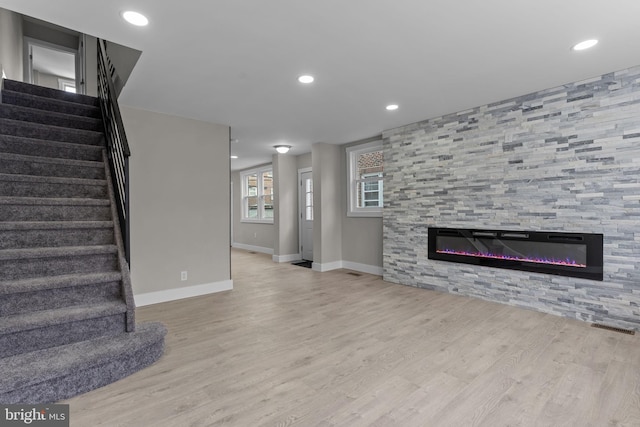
(585, 44)
(306, 79)
(135, 18)
(234, 157)
(282, 149)
(392, 107)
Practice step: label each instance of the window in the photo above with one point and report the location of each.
(67, 85)
(365, 171)
(257, 195)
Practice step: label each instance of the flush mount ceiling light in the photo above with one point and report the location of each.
(585, 44)
(135, 18)
(234, 157)
(392, 107)
(306, 79)
(282, 148)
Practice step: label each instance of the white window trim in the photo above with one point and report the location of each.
(243, 180)
(352, 167)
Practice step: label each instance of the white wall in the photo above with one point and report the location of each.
(11, 32)
(179, 203)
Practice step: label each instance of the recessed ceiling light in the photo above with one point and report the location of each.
(135, 18)
(392, 107)
(585, 44)
(234, 157)
(306, 79)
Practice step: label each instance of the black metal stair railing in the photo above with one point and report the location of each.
(116, 139)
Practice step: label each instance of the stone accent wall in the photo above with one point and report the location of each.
(562, 159)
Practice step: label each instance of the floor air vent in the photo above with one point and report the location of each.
(354, 274)
(613, 329)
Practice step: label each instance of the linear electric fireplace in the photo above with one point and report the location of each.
(564, 254)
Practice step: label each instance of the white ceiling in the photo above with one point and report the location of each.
(235, 62)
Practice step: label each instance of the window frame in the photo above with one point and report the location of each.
(353, 180)
(245, 195)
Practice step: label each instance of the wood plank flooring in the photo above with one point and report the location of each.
(293, 347)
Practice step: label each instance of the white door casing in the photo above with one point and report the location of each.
(305, 198)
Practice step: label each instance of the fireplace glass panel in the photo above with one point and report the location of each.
(571, 255)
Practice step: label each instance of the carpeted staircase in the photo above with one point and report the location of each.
(67, 321)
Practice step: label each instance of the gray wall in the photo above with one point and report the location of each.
(179, 200)
(11, 32)
(46, 80)
(91, 65)
(304, 161)
(285, 177)
(246, 233)
(566, 158)
(51, 33)
(361, 236)
(327, 201)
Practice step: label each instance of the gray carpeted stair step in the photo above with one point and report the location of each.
(57, 282)
(42, 293)
(47, 166)
(42, 186)
(48, 234)
(54, 209)
(50, 133)
(50, 104)
(16, 264)
(15, 112)
(46, 92)
(59, 373)
(23, 333)
(53, 149)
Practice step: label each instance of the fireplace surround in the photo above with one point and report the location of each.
(564, 254)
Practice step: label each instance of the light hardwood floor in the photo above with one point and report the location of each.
(289, 346)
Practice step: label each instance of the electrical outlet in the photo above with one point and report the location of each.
(183, 276)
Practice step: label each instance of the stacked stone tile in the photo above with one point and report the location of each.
(562, 159)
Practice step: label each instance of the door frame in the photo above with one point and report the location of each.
(29, 42)
(301, 207)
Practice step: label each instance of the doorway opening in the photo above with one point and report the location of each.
(52, 66)
(305, 198)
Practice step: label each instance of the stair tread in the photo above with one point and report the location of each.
(58, 144)
(51, 160)
(38, 319)
(33, 368)
(64, 251)
(50, 179)
(53, 225)
(47, 129)
(47, 201)
(45, 92)
(57, 282)
(36, 115)
(60, 103)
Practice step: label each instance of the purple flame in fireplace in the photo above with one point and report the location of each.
(566, 263)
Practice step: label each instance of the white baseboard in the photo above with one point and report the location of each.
(287, 258)
(180, 293)
(363, 268)
(327, 266)
(260, 249)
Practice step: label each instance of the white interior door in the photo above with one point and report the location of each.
(305, 196)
